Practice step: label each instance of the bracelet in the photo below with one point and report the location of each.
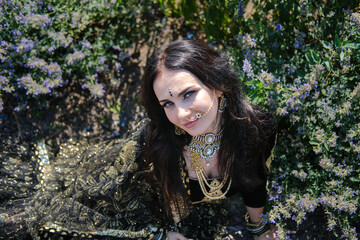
(259, 228)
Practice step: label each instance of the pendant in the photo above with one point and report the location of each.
(209, 138)
(208, 151)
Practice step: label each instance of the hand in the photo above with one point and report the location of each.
(271, 235)
(176, 236)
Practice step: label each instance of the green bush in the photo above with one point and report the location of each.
(301, 60)
(49, 44)
(298, 59)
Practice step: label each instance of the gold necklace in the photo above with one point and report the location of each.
(197, 150)
(206, 145)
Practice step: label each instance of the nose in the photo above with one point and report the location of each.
(183, 113)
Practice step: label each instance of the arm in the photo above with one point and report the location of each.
(255, 217)
(255, 214)
(175, 236)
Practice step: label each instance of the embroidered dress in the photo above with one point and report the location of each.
(103, 191)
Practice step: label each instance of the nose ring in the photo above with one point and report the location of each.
(197, 115)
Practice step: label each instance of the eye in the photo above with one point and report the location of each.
(188, 94)
(167, 104)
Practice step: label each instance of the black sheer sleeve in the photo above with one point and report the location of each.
(255, 198)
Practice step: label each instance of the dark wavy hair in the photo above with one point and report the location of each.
(248, 132)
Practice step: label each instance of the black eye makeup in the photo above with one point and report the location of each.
(188, 94)
(166, 104)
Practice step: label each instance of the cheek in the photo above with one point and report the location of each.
(170, 116)
(204, 102)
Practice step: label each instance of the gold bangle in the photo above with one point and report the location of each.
(258, 228)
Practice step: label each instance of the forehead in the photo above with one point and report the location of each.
(174, 80)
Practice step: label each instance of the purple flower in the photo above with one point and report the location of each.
(72, 58)
(279, 27)
(241, 8)
(86, 44)
(25, 45)
(247, 66)
(102, 59)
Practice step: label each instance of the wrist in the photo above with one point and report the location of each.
(259, 228)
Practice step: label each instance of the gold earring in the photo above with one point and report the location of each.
(179, 131)
(222, 104)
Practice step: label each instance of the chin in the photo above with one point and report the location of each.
(197, 132)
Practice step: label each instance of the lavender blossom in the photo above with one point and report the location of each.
(241, 8)
(96, 89)
(25, 45)
(5, 85)
(247, 67)
(72, 58)
(267, 78)
(35, 20)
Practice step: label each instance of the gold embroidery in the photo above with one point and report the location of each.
(271, 157)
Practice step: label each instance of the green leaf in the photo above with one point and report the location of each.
(323, 92)
(337, 41)
(326, 146)
(352, 45)
(342, 55)
(314, 142)
(309, 59)
(354, 179)
(327, 45)
(327, 64)
(316, 57)
(167, 12)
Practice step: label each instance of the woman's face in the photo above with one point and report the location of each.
(183, 95)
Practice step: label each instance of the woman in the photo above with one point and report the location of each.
(200, 120)
(179, 176)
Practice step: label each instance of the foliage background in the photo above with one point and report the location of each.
(69, 65)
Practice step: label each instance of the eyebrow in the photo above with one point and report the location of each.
(180, 94)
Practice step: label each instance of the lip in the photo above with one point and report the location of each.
(190, 124)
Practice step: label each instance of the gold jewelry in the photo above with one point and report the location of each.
(222, 104)
(179, 131)
(205, 146)
(259, 228)
(198, 115)
(215, 192)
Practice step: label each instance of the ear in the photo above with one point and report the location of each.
(219, 93)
